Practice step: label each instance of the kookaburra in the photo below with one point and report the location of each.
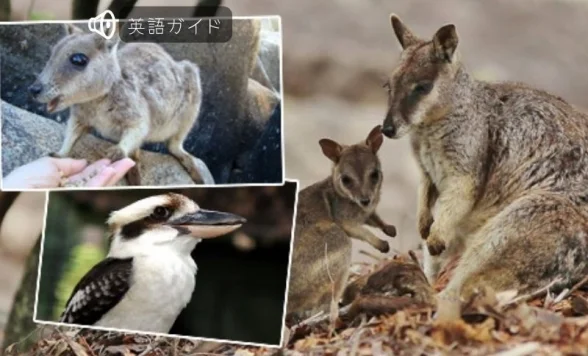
(148, 276)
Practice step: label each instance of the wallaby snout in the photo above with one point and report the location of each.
(35, 89)
(388, 130)
(365, 201)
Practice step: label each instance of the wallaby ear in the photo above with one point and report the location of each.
(104, 44)
(331, 149)
(71, 29)
(445, 42)
(375, 139)
(403, 33)
(113, 43)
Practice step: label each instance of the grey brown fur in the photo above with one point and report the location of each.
(131, 95)
(329, 213)
(504, 172)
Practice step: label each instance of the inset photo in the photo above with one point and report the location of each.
(83, 109)
(209, 263)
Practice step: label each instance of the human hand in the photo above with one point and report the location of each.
(48, 172)
(101, 173)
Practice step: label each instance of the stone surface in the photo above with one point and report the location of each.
(266, 153)
(269, 53)
(27, 137)
(218, 138)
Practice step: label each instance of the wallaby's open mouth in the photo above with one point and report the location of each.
(52, 105)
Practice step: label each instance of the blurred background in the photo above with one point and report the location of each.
(241, 279)
(336, 54)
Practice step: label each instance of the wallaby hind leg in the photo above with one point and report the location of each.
(535, 241)
(318, 272)
(176, 147)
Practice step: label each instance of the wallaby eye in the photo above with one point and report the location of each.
(423, 88)
(346, 180)
(374, 176)
(161, 212)
(79, 59)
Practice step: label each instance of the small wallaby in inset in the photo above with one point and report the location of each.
(132, 95)
(329, 214)
(504, 172)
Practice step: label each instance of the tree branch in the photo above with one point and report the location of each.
(84, 9)
(206, 8)
(122, 8)
(4, 10)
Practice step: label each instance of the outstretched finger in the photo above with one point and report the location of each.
(102, 178)
(69, 166)
(90, 170)
(121, 168)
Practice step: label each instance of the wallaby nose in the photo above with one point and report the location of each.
(389, 130)
(35, 89)
(365, 201)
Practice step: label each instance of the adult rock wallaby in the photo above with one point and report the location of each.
(504, 167)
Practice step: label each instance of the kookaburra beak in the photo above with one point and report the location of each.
(206, 224)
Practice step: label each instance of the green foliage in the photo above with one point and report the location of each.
(4, 10)
(61, 235)
(83, 258)
(39, 16)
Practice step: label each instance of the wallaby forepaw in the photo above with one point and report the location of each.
(390, 230)
(425, 227)
(114, 154)
(435, 245)
(134, 176)
(384, 246)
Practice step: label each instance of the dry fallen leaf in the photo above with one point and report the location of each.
(243, 352)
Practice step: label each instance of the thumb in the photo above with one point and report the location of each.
(70, 166)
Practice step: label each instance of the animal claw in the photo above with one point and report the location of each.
(435, 245)
(115, 154)
(390, 230)
(384, 247)
(55, 155)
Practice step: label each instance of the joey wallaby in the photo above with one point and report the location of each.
(329, 213)
(504, 169)
(132, 95)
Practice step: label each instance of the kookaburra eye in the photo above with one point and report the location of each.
(161, 212)
(423, 88)
(79, 59)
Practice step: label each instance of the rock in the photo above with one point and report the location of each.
(266, 153)
(225, 69)
(27, 137)
(218, 137)
(269, 53)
